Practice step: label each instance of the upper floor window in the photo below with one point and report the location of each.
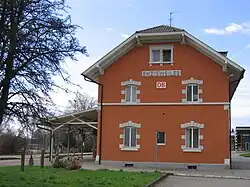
(192, 93)
(161, 54)
(130, 93)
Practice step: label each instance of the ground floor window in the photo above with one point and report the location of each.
(161, 138)
(130, 136)
(192, 137)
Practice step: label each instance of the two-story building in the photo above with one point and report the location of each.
(165, 97)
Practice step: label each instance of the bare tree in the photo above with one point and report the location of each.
(81, 102)
(36, 36)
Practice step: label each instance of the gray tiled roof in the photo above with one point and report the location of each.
(160, 29)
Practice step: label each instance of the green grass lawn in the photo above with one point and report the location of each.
(245, 154)
(36, 177)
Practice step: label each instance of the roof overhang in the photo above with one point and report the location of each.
(235, 71)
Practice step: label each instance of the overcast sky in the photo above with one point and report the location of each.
(224, 25)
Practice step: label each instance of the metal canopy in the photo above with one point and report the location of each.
(83, 119)
(86, 120)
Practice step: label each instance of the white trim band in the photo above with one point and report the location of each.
(170, 104)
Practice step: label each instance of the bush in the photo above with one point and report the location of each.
(59, 163)
(74, 163)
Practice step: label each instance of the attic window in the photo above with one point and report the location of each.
(161, 54)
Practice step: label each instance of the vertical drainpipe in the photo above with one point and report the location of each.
(230, 121)
(86, 78)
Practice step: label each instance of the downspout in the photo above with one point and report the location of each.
(230, 121)
(86, 78)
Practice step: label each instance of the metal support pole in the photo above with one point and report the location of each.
(82, 142)
(50, 135)
(156, 152)
(52, 146)
(68, 141)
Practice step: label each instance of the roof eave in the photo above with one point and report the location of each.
(91, 71)
(112, 52)
(237, 82)
(213, 52)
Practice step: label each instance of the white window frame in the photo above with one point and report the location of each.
(161, 48)
(164, 139)
(130, 137)
(131, 92)
(192, 138)
(192, 93)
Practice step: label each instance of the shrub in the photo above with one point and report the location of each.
(74, 163)
(59, 163)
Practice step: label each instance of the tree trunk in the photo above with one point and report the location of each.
(9, 64)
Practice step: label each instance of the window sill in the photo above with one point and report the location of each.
(130, 103)
(161, 144)
(193, 102)
(124, 148)
(196, 150)
(161, 62)
(129, 149)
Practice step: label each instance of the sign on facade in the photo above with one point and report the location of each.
(161, 84)
(161, 73)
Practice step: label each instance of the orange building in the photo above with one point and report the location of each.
(165, 98)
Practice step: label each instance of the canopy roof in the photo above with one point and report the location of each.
(84, 119)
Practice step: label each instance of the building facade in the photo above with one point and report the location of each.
(165, 98)
(242, 139)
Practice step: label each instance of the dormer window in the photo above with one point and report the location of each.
(161, 54)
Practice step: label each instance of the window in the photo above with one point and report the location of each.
(166, 55)
(161, 138)
(130, 93)
(192, 93)
(130, 137)
(161, 54)
(192, 137)
(156, 55)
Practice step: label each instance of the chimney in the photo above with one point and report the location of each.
(224, 53)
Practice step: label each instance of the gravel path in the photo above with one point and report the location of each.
(174, 181)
